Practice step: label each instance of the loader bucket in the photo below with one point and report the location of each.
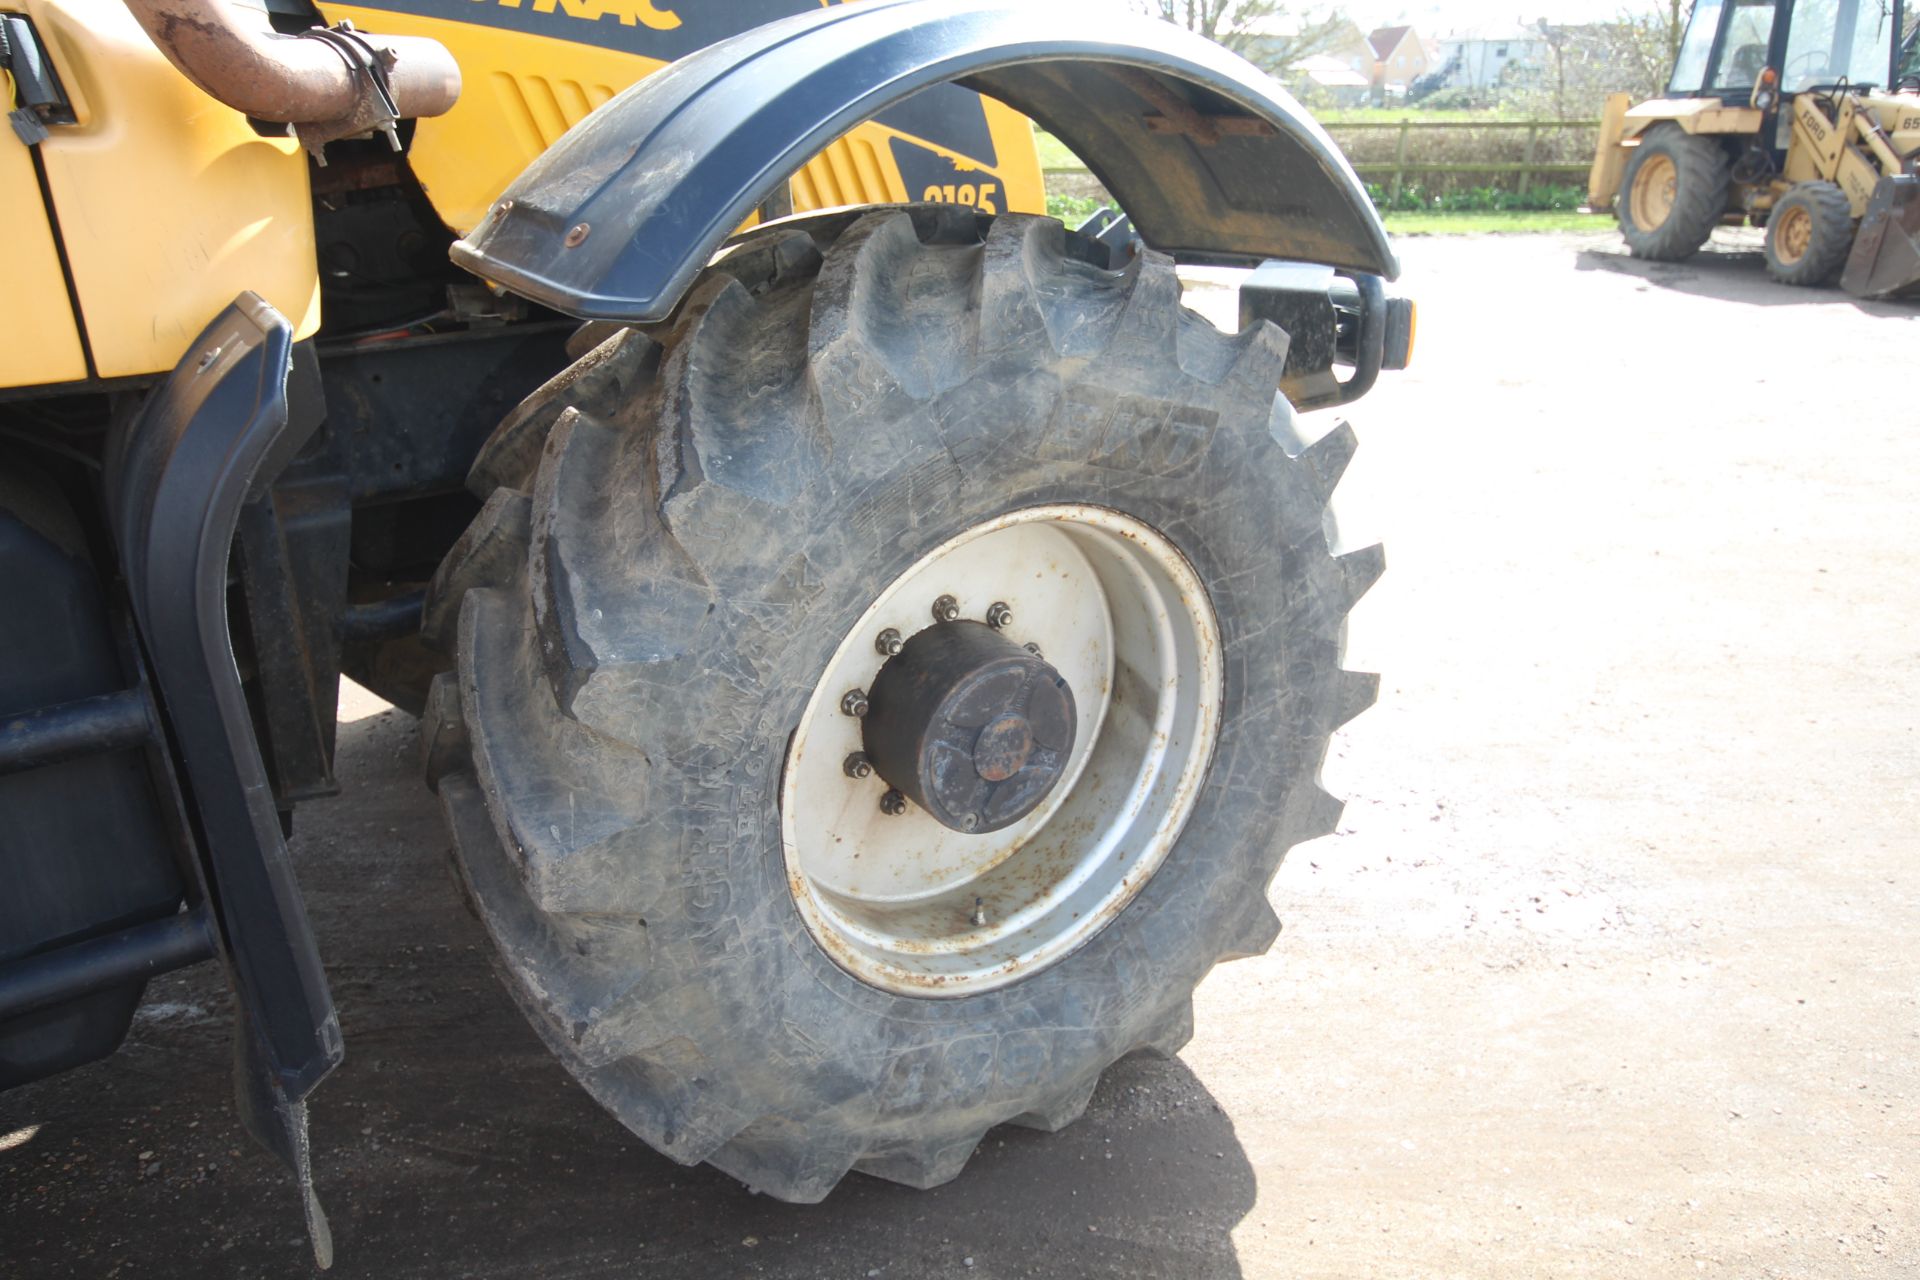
(1885, 262)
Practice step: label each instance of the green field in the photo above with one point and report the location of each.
(1073, 210)
(1394, 115)
(1053, 152)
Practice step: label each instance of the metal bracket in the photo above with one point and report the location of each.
(377, 112)
(1330, 318)
(36, 82)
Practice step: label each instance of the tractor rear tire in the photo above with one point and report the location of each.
(679, 535)
(1809, 234)
(1672, 193)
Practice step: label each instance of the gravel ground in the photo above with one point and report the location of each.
(1608, 972)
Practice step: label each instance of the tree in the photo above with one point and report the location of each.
(1268, 33)
(1218, 20)
(1632, 54)
(1557, 38)
(1646, 43)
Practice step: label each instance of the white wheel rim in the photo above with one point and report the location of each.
(899, 900)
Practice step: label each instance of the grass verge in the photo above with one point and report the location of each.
(1478, 224)
(1053, 152)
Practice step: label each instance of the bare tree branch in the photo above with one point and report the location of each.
(1268, 32)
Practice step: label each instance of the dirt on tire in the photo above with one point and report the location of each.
(678, 532)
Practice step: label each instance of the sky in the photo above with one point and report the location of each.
(1433, 19)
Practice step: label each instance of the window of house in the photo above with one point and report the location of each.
(1500, 52)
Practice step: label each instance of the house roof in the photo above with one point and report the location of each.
(1386, 39)
(1330, 72)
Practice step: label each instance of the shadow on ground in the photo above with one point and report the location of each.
(1734, 272)
(451, 1144)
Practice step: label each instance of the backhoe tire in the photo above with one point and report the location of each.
(1809, 234)
(680, 537)
(1672, 193)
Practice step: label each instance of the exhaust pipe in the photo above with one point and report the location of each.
(328, 83)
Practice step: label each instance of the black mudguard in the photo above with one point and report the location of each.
(207, 443)
(1213, 160)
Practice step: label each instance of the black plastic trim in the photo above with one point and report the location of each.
(210, 440)
(177, 481)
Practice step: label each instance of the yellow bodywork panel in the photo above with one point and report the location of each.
(1621, 126)
(522, 91)
(39, 342)
(1849, 150)
(1609, 156)
(1814, 152)
(1898, 115)
(169, 204)
(1695, 115)
(518, 94)
(860, 169)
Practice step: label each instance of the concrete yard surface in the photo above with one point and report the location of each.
(1610, 970)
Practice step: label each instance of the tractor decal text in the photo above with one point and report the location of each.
(663, 30)
(980, 196)
(643, 13)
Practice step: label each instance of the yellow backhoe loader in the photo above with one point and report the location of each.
(1800, 117)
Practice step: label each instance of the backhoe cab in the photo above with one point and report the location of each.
(1802, 118)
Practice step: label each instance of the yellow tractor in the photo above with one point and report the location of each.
(873, 645)
(1800, 117)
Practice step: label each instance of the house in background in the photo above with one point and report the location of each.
(1268, 40)
(1399, 58)
(1477, 59)
(1348, 68)
(1334, 78)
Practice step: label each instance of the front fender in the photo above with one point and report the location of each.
(1214, 161)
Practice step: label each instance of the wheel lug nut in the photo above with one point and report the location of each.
(888, 643)
(858, 766)
(999, 615)
(854, 703)
(946, 609)
(893, 804)
(979, 916)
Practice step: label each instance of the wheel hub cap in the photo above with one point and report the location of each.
(1054, 677)
(970, 726)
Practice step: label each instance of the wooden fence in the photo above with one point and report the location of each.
(1522, 153)
(1541, 157)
